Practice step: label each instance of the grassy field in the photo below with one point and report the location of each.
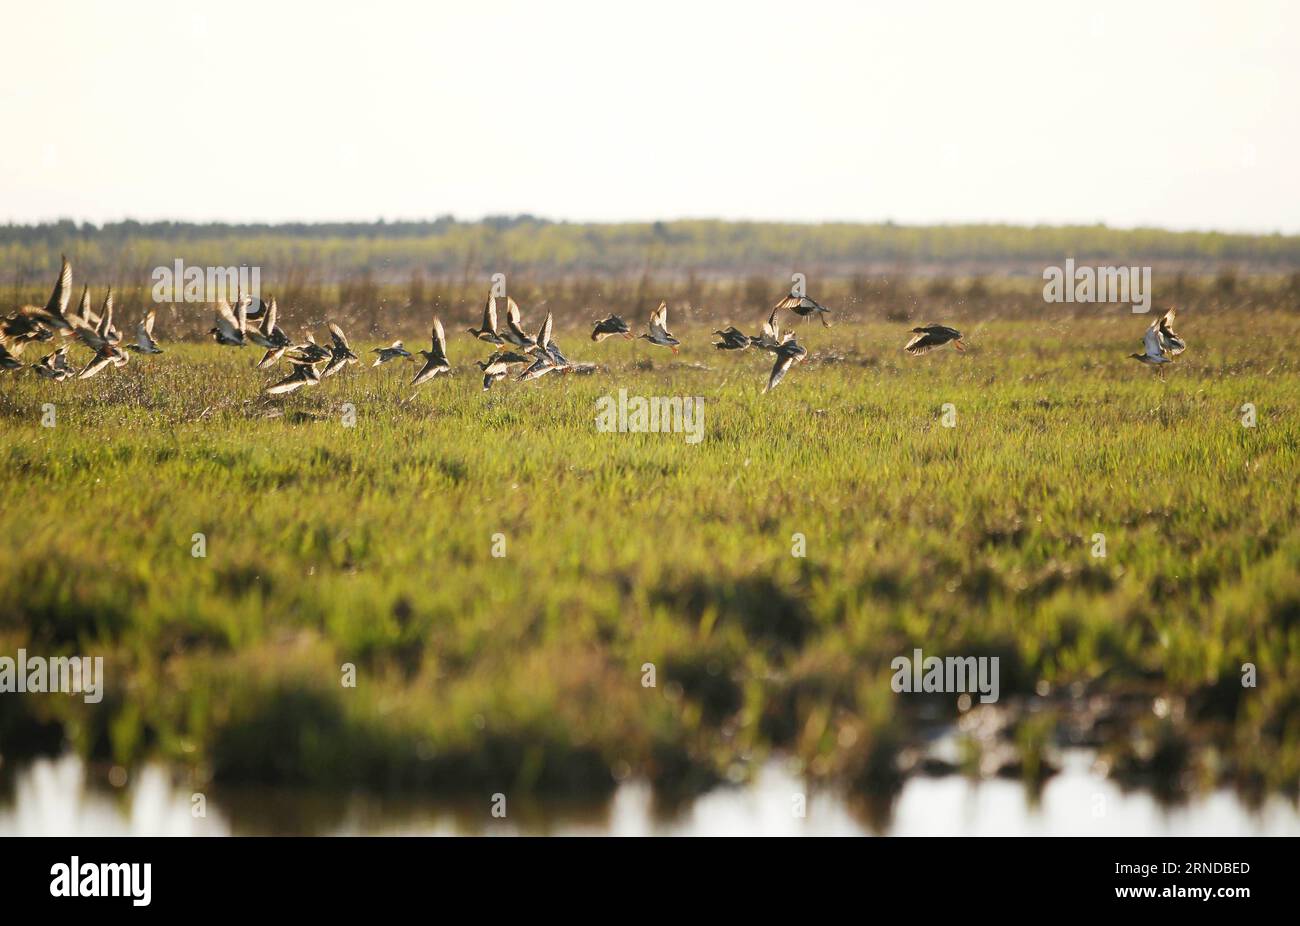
(373, 545)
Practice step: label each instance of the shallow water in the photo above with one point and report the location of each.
(56, 797)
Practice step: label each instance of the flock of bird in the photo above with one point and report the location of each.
(515, 352)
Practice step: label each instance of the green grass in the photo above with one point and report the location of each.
(373, 546)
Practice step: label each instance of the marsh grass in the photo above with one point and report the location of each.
(372, 545)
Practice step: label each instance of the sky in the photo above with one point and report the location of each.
(1131, 113)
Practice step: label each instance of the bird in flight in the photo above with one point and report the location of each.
(805, 307)
(487, 329)
(435, 359)
(658, 329)
(928, 337)
(607, 327)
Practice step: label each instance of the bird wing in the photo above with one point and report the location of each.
(105, 325)
(227, 324)
(58, 304)
(1151, 340)
(513, 320)
(89, 336)
(544, 332)
(920, 343)
(340, 339)
(83, 308)
(490, 314)
(290, 382)
(97, 363)
(439, 340)
(787, 302)
(659, 320)
(268, 322)
(784, 361)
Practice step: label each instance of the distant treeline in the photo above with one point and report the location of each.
(447, 248)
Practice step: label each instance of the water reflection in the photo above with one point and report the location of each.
(59, 797)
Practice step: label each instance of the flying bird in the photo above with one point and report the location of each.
(435, 359)
(608, 327)
(270, 336)
(35, 324)
(541, 365)
(309, 351)
(340, 352)
(54, 366)
(928, 337)
(787, 355)
(144, 342)
(497, 367)
(658, 328)
(487, 330)
(514, 332)
(392, 352)
(732, 339)
(304, 374)
(103, 339)
(230, 328)
(1153, 353)
(803, 306)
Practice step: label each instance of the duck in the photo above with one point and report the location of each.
(106, 353)
(230, 328)
(54, 366)
(270, 336)
(514, 332)
(391, 352)
(340, 352)
(487, 330)
(608, 327)
(658, 329)
(31, 323)
(304, 374)
(144, 342)
(787, 355)
(541, 365)
(497, 367)
(435, 359)
(103, 339)
(928, 337)
(732, 339)
(804, 306)
(1153, 353)
(309, 351)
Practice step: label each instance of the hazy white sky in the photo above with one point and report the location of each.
(1184, 115)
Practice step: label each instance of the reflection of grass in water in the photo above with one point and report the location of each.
(372, 546)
